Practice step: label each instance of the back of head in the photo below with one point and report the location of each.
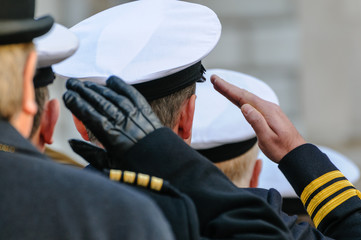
(55, 46)
(220, 131)
(18, 28)
(240, 168)
(156, 46)
(168, 108)
(12, 62)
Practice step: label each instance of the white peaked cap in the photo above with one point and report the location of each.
(217, 121)
(272, 177)
(142, 40)
(55, 46)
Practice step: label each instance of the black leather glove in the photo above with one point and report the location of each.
(96, 156)
(117, 114)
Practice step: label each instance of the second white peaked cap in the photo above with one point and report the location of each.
(53, 47)
(141, 41)
(217, 121)
(272, 177)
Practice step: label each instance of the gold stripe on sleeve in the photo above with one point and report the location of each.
(317, 183)
(325, 193)
(358, 194)
(335, 202)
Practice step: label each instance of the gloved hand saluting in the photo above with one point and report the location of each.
(117, 114)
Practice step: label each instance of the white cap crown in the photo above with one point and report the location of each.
(142, 40)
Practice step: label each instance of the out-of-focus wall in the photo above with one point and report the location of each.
(69, 12)
(261, 38)
(331, 70)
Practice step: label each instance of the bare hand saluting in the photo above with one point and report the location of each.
(276, 134)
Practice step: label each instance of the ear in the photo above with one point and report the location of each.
(186, 119)
(29, 106)
(256, 172)
(81, 128)
(48, 121)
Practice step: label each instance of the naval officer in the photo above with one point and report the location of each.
(55, 46)
(41, 199)
(158, 47)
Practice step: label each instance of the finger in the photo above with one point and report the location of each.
(118, 100)
(277, 120)
(73, 83)
(123, 103)
(231, 92)
(91, 118)
(122, 88)
(97, 101)
(258, 123)
(239, 96)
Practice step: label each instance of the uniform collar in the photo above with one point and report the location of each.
(12, 141)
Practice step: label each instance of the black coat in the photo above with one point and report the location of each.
(40, 199)
(227, 212)
(177, 207)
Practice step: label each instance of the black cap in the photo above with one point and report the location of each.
(17, 23)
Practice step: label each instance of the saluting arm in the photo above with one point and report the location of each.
(329, 198)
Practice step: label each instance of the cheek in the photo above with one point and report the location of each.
(81, 128)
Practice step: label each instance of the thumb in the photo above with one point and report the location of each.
(96, 156)
(257, 121)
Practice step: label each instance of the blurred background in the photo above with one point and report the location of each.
(308, 51)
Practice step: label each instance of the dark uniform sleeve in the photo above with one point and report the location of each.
(224, 211)
(329, 198)
(299, 230)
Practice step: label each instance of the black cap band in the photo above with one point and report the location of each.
(43, 77)
(228, 151)
(165, 86)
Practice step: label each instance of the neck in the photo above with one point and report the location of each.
(22, 123)
(38, 141)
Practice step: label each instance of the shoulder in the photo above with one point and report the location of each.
(45, 176)
(65, 196)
